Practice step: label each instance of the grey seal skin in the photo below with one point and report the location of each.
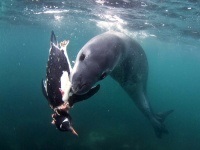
(116, 54)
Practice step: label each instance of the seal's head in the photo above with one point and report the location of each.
(87, 71)
(95, 61)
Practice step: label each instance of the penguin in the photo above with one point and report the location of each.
(56, 87)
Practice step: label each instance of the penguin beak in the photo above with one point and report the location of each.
(73, 131)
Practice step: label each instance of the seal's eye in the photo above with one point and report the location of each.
(103, 75)
(82, 57)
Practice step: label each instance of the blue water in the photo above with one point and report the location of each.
(169, 32)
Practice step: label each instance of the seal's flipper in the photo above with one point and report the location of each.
(158, 123)
(162, 116)
(91, 92)
(157, 120)
(53, 39)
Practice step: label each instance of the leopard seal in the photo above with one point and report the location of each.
(116, 54)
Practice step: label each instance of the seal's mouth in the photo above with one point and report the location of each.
(82, 86)
(80, 89)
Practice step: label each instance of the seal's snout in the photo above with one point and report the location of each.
(78, 88)
(74, 89)
(77, 83)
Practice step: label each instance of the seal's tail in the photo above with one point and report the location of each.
(158, 123)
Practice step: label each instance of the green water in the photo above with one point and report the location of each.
(108, 120)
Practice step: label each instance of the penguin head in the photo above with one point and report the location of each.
(63, 123)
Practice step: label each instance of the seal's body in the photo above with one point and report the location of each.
(117, 55)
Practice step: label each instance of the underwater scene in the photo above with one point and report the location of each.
(167, 30)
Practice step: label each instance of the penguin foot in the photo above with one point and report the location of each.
(63, 44)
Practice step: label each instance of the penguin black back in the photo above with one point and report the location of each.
(57, 63)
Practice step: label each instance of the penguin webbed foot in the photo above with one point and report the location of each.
(64, 44)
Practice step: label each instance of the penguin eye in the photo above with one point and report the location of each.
(103, 75)
(82, 57)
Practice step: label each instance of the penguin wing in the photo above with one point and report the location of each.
(44, 90)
